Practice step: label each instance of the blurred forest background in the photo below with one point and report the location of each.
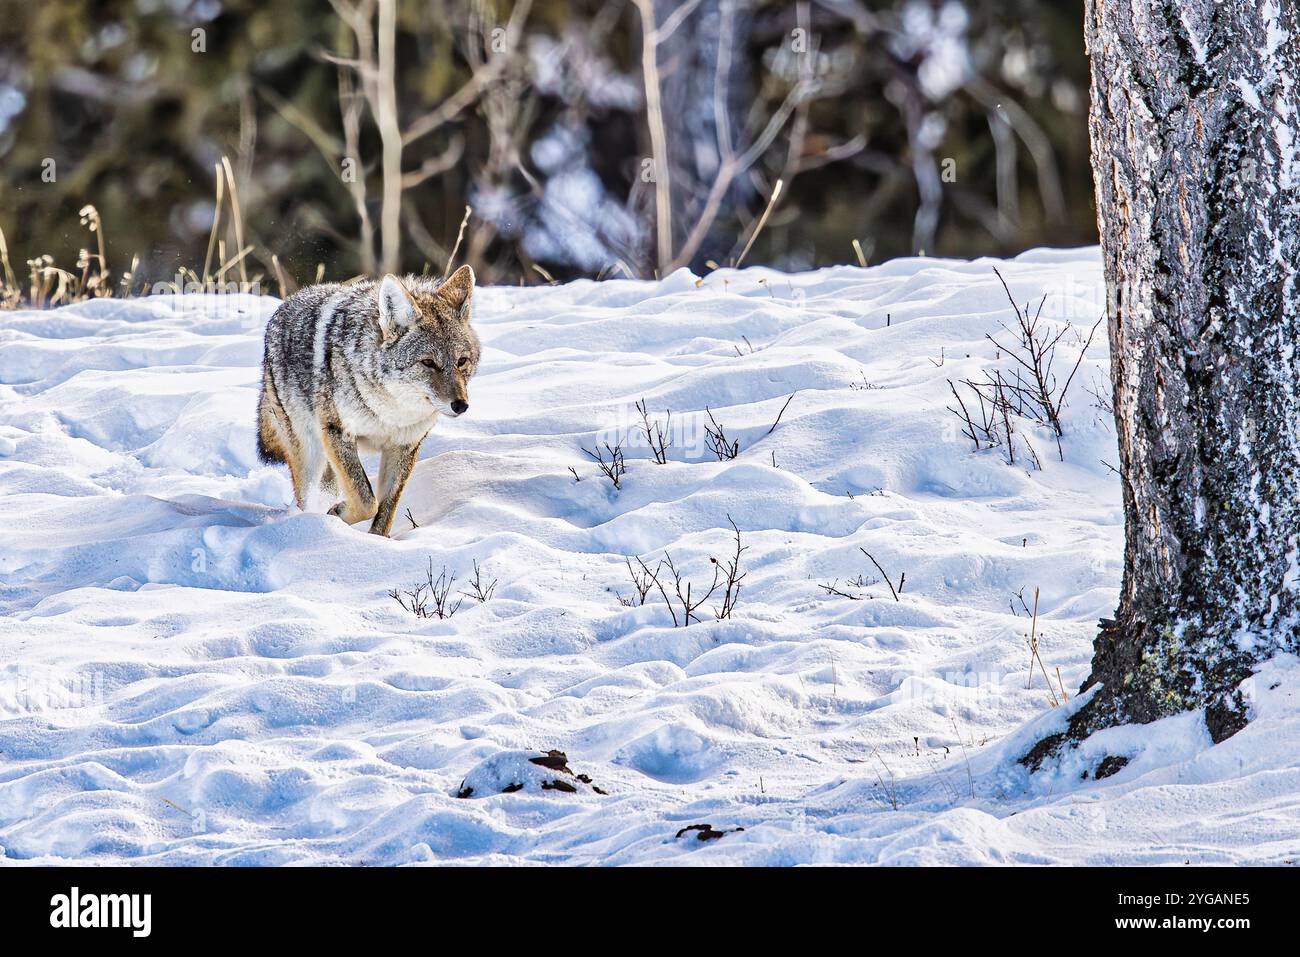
(589, 137)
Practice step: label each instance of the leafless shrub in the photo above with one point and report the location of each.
(1030, 390)
(430, 598)
(685, 600)
(981, 429)
(682, 589)
(733, 163)
(480, 591)
(991, 424)
(1103, 404)
(1041, 393)
(657, 434)
(367, 74)
(717, 442)
(861, 583)
(613, 467)
(725, 448)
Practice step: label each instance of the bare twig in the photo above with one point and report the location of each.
(732, 165)
(643, 580)
(890, 787)
(1035, 656)
(731, 592)
(832, 588)
(455, 104)
(901, 578)
(972, 431)
(460, 234)
(690, 602)
(657, 434)
(779, 414)
(762, 221)
(480, 591)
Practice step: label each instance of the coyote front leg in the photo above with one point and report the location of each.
(395, 465)
(358, 497)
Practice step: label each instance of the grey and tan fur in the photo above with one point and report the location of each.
(366, 367)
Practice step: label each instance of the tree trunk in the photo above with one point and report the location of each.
(1194, 140)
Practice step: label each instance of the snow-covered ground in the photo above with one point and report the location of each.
(192, 671)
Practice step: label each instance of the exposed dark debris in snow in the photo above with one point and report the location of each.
(706, 832)
(1110, 764)
(554, 760)
(508, 772)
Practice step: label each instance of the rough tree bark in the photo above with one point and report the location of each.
(1195, 139)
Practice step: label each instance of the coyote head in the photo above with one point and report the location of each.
(429, 351)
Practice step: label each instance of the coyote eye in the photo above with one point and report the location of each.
(429, 363)
(462, 363)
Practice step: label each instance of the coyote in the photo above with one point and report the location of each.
(366, 367)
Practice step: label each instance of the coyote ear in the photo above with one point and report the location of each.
(458, 289)
(396, 309)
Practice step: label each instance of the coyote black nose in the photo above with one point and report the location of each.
(459, 406)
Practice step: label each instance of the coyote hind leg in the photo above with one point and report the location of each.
(300, 449)
(309, 466)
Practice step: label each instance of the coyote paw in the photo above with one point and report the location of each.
(352, 516)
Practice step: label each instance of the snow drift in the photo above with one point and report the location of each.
(193, 672)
